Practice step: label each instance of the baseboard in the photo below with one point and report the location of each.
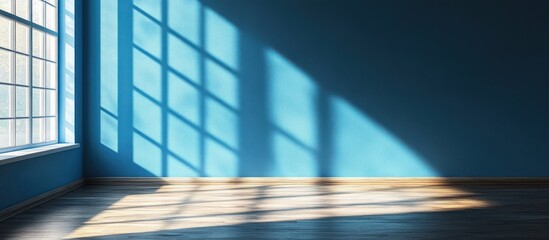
(35, 201)
(315, 180)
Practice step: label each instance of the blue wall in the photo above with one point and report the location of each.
(316, 88)
(25, 179)
(20, 181)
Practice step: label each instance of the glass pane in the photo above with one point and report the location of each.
(5, 101)
(51, 47)
(5, 133)
(37, 102)
(38, 12)
(21, 101)
(21, 132)
(6, 5)
(6, 26)
(51, 18)
(51, 129)
(21, 38)
(37, 43)
(37, 72)
(38, 130)
(51, 101)
(51, 75)
(21, 69)
(22, 8)
(5, 66)
(53, 2)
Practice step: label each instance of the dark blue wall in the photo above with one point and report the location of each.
(20, 181)
(25, 179)
(317, 88)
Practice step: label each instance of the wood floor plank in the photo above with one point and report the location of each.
(304, 210)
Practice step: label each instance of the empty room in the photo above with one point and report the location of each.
(274, 119)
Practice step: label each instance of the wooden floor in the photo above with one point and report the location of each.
(289, 211)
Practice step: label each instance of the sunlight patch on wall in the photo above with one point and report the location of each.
(184, 19)
(153, 8)
(293, 99)
(147, 154)
(147, 74)
(183, 143)
(67, 123)
(108, 82)
(183, 58)
(147, 90)
(183, 99)
(221, 39)
(221, 161)
(185, 88)
(222, 83)
(147, 33)
(147, 117)
(362, 147)
(292, 160)
(181, 168)
(109, 56)
(222, 123)
(109, 131)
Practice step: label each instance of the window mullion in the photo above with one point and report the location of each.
(43, 128)
(28, 22)
(13, 104)
(31, 73)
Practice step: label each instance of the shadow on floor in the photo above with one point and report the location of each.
(300, 211)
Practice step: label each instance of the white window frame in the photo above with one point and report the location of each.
(29, 102)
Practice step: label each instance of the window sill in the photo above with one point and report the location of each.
(19, 155)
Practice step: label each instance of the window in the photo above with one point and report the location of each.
(28, 73)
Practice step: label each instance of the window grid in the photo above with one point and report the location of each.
(38, 123)
(25, 54)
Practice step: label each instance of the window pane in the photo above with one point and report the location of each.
(21, 102)
(28, 58)
(37, 102)
(21, 69)
(51, 101)
(38, 12)
(51, 129)
(21, 38)
(51, 75)
(5, 133)
(38, 130)
(22, 8)
(53, 2)
(22, 132)
(6, 26)
(37, 72)
(38, 43)
(5, 101)
(5, 66)
(51, 47)
(6, 5)
(51, 18)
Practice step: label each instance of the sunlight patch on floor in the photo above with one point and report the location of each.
(182, 207)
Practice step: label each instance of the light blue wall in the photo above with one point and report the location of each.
(184, 88)
(20, 181)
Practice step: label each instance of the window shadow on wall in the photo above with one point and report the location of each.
(397, 88)
(189, 93)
